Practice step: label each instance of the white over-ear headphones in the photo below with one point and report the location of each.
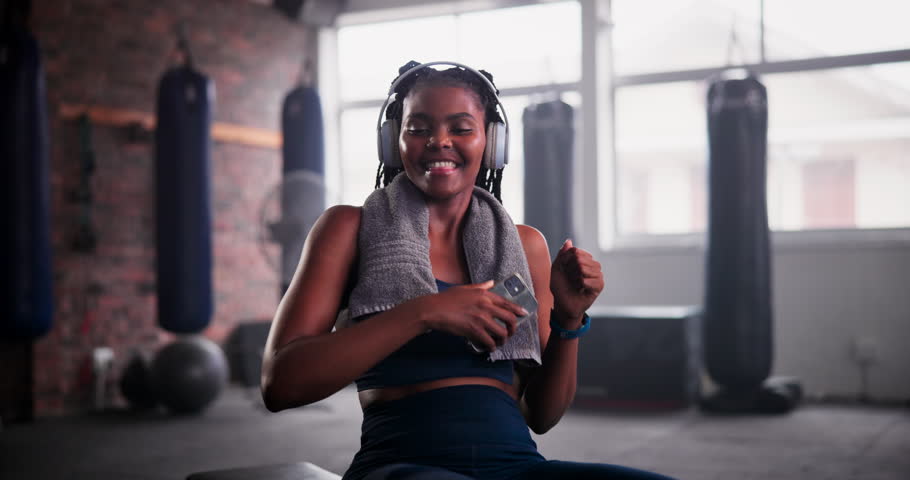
(495, 155)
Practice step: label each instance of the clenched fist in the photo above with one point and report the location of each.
(576, 280)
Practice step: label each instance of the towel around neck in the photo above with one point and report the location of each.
(394, 256)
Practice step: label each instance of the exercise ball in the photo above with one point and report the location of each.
(188, 374)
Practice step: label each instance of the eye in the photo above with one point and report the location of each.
(462, 131)
(420, 132)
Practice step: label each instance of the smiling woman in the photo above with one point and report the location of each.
(451, 375)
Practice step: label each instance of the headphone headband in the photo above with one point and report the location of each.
(407, 73)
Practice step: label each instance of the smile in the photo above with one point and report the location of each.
(441, 164)
(440, 167)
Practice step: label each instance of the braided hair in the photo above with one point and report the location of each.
(488, 179)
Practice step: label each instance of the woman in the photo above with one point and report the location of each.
(433, 407)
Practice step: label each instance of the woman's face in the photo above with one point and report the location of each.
(442, 139)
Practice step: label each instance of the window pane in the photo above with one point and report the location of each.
(543, 43)
(513, 176)
(657, 35)
(369, 55)
(839, 148)
(838, 153)
(660, 151)
(359, 158)
(817, 28)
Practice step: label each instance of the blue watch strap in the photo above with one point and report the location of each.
(570, 334)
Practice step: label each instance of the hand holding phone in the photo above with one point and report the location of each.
(514, 289)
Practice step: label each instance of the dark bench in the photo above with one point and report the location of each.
(287, 471)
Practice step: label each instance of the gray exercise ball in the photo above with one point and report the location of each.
(189, 373)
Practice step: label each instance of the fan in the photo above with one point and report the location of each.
(288, 212)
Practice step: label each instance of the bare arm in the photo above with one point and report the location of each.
(304, 361)
(549, 389)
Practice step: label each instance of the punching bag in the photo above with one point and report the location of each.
(25, 246)
(303, 173)
(303, 146)
(549, 138)
(737, 315)
(183, 206)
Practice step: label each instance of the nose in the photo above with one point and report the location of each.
(439, 139)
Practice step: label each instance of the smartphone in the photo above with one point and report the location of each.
(514, 289)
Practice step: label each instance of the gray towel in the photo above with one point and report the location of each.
(394, 256)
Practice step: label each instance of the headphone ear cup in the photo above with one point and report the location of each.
(388, 144)
(495, 154)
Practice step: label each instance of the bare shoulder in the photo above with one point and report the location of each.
(311, 303)
(533, 242)
(538, 255)
(341, 216)
(336, 224)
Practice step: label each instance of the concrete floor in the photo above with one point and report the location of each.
(813, 442)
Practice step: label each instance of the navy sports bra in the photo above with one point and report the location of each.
(432, 356)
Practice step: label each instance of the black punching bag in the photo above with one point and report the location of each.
(183, 206)
(737, 317)
(25, 246)
(549, 138)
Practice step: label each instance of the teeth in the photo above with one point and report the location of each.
(441, 165)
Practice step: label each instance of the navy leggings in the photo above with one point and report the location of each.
(468, 432)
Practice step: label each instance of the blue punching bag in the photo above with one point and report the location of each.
(183, 215)
(303, 146)
(25, 242)
(738, 318)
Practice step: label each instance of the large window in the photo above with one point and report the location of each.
(528, 62)
(837, 74)
(838, 80)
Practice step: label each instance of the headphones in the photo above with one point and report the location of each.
(495, 154)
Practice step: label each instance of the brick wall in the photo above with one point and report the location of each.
(112, 53)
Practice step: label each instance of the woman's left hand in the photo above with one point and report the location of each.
(576, 280)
